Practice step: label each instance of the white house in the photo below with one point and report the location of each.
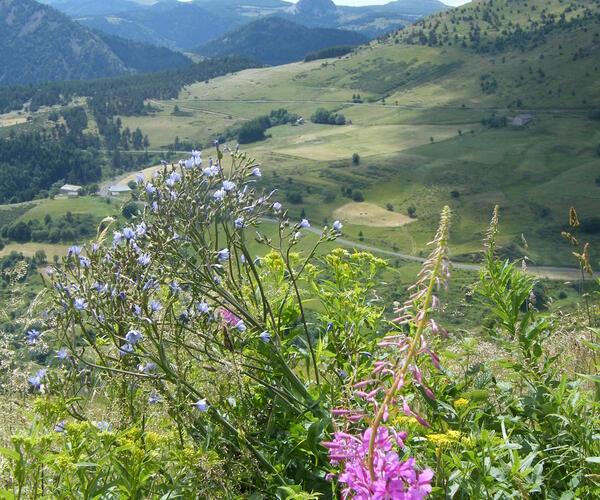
(119, 189)
(70, 190)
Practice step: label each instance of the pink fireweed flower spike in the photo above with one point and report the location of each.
(370, 467)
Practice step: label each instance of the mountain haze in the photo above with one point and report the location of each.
(185, 25)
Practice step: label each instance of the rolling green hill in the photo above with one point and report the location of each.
(273, 40)
(38, 43)
(432, 125)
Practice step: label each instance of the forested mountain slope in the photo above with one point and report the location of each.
(38, 43)
(274, 40)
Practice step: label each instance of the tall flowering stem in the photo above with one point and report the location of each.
(371, 466)
(435, 271)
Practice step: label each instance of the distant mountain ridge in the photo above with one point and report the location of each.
(92, 7)
(39, 43)
(185, 25)
(274, 40)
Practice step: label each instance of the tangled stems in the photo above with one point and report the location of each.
(179, 291)
(437, 257)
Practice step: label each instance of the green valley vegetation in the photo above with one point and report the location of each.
(206, 363)
(408, 94)
(234, 329)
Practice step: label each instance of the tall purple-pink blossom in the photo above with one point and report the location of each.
(393, 478)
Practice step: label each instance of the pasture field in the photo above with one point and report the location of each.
(418, 128)
(368, 214)
(94, 205)
(30, 248)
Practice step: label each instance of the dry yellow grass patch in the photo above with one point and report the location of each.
(10, 119)
(368, 214)
(29, 249)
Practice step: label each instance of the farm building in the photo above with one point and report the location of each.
(119, 189)
(522, 120)
(70, 190)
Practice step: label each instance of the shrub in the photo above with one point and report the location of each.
(321, 115)
(130, 209)
(336, 51)
(411, 211)
(294, 197)
(200, 308)
(358, 196)
(282, 116)
(254, 130)
(340, 119)
(40, 257)
(19, 232)
(355, 158)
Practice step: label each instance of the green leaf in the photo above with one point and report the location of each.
(595, 347)
(83, 465)
(10, 454)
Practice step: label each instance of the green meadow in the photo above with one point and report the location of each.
(420, 137)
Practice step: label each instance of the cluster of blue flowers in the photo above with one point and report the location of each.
(130, 272)
(36, 381)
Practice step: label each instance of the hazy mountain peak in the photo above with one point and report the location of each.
(315, 7)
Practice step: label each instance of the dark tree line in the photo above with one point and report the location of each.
(321, 115)
(337, 51)
(254, 130)
(123, 95)
(67, 228)
(31, 163)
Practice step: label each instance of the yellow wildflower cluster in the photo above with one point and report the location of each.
(461, 403)
(448, 438)
(403, 420)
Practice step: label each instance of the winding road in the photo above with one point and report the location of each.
(548, 272)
